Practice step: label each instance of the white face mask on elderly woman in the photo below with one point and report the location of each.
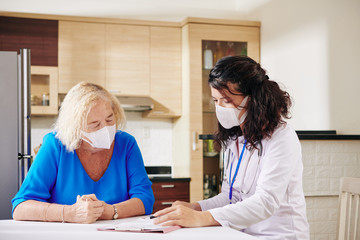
(101, 138)
(229, 117)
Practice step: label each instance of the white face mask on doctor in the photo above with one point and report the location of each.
(101, 138)
(229, 117)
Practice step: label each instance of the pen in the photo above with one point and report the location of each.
(152, 216)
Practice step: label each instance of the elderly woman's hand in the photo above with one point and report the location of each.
(85, 210)
(108, 212)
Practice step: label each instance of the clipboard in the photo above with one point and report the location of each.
(140, 225)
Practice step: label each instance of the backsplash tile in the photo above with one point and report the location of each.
(154, 137)
(155, 141)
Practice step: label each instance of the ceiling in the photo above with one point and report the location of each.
(157, 10)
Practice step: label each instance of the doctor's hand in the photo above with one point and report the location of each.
(180, 215)
(195, 205)
(85, 210)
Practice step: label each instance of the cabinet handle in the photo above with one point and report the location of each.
(168, 186)
(166, 203)
(194, 147)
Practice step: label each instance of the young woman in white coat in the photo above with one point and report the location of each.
(262, 192)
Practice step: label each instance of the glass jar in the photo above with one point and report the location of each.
(208, 58)
(45, 99)
(208, 148)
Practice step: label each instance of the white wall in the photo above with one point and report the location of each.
(313, 48)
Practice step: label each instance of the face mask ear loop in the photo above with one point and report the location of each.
(241, 107)
(88, 141)
(85, 137)
(242, 119)
(243, 103)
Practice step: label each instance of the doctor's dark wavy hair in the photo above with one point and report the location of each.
(267, 107)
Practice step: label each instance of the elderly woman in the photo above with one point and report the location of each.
(86, 170)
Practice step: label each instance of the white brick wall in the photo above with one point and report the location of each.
(325, 162)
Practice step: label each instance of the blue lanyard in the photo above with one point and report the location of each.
(236, 171)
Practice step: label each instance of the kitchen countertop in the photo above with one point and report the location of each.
(29, 230)
(325, 135)
(328, 137)
(168, 179)
(312, 135)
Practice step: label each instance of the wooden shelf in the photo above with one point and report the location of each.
(44, 80)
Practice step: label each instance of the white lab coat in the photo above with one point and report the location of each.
(268, 199)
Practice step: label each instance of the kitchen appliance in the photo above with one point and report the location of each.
(15, 127)
(158, 171)
(136, 104)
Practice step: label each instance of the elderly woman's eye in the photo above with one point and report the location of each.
(93, 126)
(110, 119)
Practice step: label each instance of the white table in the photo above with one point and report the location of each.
(27, 230)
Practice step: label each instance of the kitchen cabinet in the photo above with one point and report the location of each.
(39, 35)
(115, 56)
(166, 192)
(44, 90)
(165, 71)
(81, 54)
(127, 59)
(198, 116)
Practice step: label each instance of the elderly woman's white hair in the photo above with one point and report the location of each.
(75, 109)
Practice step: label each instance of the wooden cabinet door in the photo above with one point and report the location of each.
(165, 74)
(128, 60)
(81, 54)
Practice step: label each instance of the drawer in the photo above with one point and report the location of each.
(161, 204)
(171, 190)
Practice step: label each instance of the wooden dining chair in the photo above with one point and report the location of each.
(349, 209)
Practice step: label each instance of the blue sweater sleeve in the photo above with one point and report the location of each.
(139, 184)
(42, 174)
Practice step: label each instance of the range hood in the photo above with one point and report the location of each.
(136, 104)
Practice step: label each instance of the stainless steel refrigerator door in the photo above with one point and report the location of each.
(24, 113)
(8, 131)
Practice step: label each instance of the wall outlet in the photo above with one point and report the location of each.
(146, 132)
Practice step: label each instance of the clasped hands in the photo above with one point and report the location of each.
(88, 209)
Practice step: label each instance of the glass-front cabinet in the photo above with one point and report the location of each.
(44, 90)
(205, 41)
(212, 159)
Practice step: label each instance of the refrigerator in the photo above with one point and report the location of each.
(15, 125)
